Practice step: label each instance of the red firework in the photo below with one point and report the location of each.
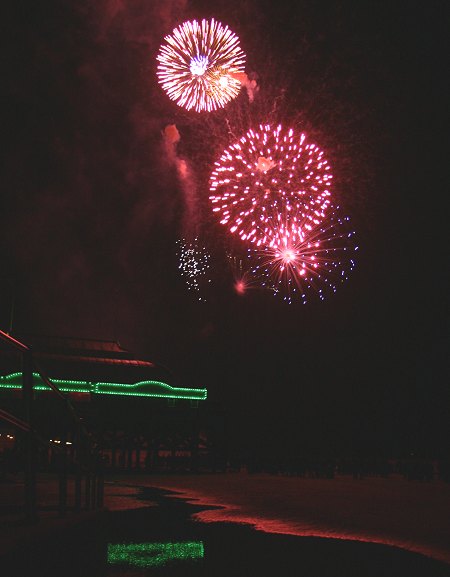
(271, 171)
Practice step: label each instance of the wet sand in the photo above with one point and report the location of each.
(412, 515)
(237, 549)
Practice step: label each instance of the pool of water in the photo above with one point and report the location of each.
(161, 539)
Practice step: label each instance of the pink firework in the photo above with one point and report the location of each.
(271, 171)
(200, 65)
(313, 265)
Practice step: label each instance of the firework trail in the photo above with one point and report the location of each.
(243, 276)
(270, 171)
(199, 65)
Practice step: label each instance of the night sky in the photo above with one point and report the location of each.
(92, 206)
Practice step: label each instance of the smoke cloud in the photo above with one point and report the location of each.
(250, 84)
(88, 199)
(190, 218)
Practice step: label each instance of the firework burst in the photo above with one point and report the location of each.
(267, 172)
(312, 265)
(199, 65)
(194, 265)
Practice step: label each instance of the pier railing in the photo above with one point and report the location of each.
(85, 461)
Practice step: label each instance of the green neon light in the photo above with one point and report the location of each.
(154, 554)
(156, 389)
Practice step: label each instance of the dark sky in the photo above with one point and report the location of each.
(92, 206)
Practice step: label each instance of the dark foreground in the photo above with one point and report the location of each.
(161, 539)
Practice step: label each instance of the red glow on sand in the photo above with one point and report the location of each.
(391, 525)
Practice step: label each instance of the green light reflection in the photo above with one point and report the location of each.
(154, 554)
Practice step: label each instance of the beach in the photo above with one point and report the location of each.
(411, 515)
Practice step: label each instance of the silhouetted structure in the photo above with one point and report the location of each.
(141, 419)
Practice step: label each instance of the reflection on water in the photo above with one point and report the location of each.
(146, 555)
